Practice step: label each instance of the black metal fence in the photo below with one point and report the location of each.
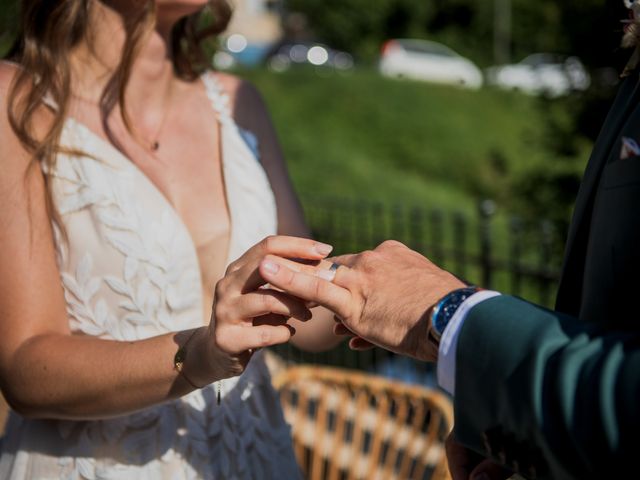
(486, 248)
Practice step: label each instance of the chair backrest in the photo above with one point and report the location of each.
(353, 425)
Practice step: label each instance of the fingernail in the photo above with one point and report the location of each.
(326, 274)
(270, 267)
(323, 248)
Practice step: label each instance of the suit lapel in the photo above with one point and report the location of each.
(571, 280)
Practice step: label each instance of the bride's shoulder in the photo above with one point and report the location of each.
(244, 97)
(8, 71)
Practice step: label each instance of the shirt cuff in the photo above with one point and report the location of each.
(446, 369)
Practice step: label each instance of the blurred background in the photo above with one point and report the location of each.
(459, 127)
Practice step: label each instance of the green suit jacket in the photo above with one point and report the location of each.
(556, 394)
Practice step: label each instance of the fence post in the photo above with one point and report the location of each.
(515, 254)
(362, 220)
(398, 222)
(437, 236)
(378, 227)
(416, 239)
(487, 209)
(545, 259)
(460, 244)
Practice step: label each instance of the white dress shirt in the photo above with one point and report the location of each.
(446, 368)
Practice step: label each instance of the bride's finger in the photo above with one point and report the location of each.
(236, 340)
(253, 279)
(273, 320)
(265, 301)
(282, 246)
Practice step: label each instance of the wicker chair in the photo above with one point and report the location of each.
(352, 425)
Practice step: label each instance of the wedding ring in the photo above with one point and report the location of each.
(328, 274)
(333, 269)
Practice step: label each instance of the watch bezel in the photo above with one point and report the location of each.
(444, 309)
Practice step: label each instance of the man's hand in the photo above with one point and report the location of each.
(467, 465)
(383, 296)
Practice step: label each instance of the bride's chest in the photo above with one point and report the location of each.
(190, 176)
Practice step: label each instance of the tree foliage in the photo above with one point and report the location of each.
(589, 28)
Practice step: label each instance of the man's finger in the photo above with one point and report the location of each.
(324, 268)
(307, 287)
(340, 329)
(359, 343)
(348, 260)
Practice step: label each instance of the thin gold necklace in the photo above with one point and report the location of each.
(151, 145)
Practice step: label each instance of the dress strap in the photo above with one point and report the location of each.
(218, 97)
(220, 103)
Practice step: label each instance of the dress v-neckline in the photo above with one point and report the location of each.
(99, 142)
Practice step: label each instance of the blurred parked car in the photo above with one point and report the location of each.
(542, 74)
(308, 53)
(428, 61)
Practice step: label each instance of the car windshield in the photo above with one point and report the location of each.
(431, 48)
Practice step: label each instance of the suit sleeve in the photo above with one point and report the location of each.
(546, 394)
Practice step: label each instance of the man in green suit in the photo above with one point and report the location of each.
(547, 394)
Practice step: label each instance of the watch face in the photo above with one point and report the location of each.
(447, 307)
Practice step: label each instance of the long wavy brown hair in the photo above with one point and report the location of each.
(50, 29)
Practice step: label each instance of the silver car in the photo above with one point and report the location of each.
(428, 61)
(542, 74)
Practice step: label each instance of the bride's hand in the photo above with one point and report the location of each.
(246, 317)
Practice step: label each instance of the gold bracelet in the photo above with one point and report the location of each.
(179, 358)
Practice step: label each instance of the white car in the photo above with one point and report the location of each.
(428, 61)
(542, 74)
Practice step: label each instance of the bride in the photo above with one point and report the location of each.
(137, 191)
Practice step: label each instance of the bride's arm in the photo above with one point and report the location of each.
(46, 372)
(251, 113)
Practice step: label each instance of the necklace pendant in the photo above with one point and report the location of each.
(155, 146)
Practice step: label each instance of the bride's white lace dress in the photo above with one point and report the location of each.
(130, 271)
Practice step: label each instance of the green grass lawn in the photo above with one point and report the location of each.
(365, 136)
